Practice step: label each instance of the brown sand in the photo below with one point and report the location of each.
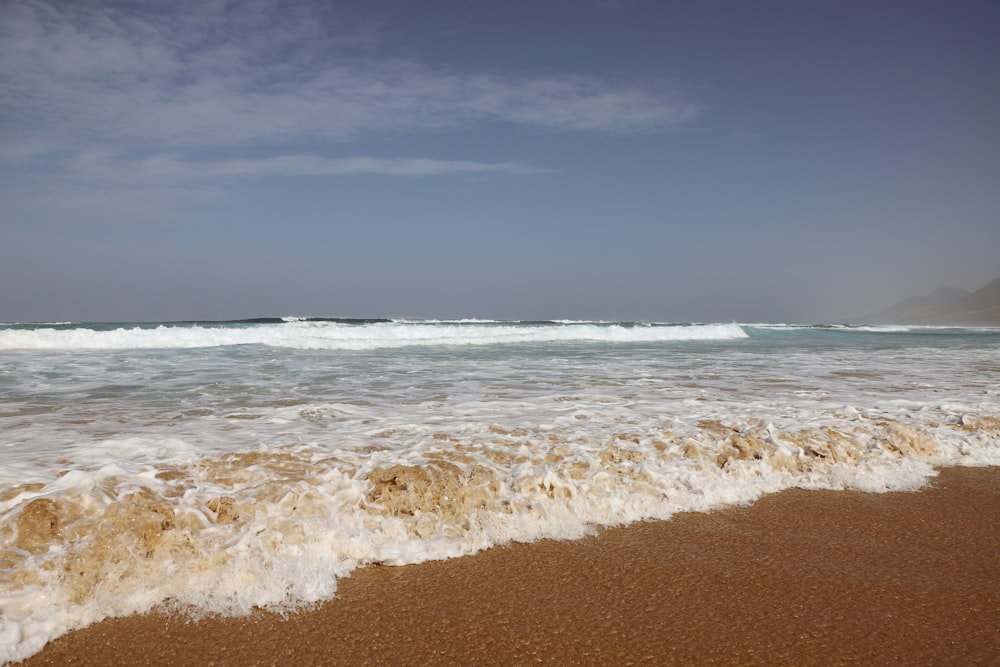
(800, 578)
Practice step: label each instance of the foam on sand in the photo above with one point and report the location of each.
(278, 527)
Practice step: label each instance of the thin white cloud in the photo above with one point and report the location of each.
(171, 169)
(306, 165)
(216, 74)
(102, 182)
(127, 107)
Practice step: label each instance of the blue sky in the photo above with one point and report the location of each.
(678, 161)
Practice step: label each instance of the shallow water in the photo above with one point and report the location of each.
(222, 466)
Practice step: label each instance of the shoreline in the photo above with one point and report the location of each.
(799, 577)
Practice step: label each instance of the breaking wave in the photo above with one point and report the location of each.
(277, 527)
(324, 335)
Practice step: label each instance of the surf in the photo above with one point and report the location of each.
(313, 334)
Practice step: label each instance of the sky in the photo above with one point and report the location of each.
(750, 160)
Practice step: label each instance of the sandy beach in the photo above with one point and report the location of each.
(800, 577)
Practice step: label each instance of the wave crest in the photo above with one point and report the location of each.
(312, 335)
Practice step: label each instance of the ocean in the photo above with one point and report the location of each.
(215, 467)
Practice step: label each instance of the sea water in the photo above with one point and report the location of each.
(218, 467)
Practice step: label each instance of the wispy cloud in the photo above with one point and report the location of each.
(172, 169)
(215, 73)
(119, 93)
(308, 165)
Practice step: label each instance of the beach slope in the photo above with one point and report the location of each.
(800, 577)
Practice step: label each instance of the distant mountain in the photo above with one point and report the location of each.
(947, 305)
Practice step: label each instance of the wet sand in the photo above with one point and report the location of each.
(799, 578)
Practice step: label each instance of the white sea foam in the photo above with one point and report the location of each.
(277, 527)
(308, 335)
(225, 478)
(864, 328)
